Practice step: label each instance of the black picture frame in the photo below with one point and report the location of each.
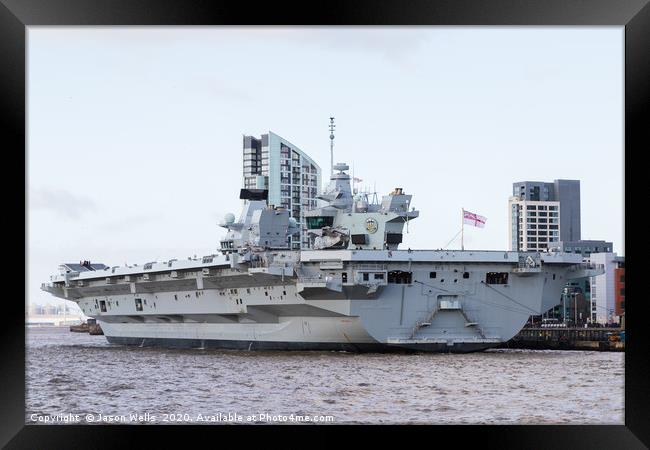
(16, 15)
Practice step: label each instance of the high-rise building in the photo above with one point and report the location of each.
(543, 214)
(606, 289)
(292, 178)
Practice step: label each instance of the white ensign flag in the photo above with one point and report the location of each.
(473, 219)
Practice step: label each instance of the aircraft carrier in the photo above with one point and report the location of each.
(354, 289)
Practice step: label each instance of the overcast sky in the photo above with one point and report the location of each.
(135, 134)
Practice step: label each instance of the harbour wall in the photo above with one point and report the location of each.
(600, 339)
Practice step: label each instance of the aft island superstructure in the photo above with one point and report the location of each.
(354, 289)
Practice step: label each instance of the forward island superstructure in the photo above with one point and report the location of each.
(354, 289)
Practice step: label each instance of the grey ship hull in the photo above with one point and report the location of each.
(327, 300)
(293, 346)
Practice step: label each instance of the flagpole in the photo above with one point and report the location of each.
(462, 228)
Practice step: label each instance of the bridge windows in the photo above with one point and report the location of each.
(400, 277)
(319, 221)
(496, 278)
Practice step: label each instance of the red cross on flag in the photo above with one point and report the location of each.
(473, 219)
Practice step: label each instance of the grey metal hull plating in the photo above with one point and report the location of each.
(327, 300)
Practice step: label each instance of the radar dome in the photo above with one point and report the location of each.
(229, 219)
(293, 223)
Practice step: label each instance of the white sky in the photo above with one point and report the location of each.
(135, 134)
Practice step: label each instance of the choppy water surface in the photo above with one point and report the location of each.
(78, 374)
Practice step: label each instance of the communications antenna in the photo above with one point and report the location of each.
(332, 126)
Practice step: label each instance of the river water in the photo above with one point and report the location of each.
(78, 378)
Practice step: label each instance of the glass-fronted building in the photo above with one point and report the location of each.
(543, 214)
(292, 178)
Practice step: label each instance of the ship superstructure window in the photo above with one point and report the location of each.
(496, 278)
(102, 306)
(400, 277)
(319, 222)
(432, 274)
(465, 274)
(138, 304)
